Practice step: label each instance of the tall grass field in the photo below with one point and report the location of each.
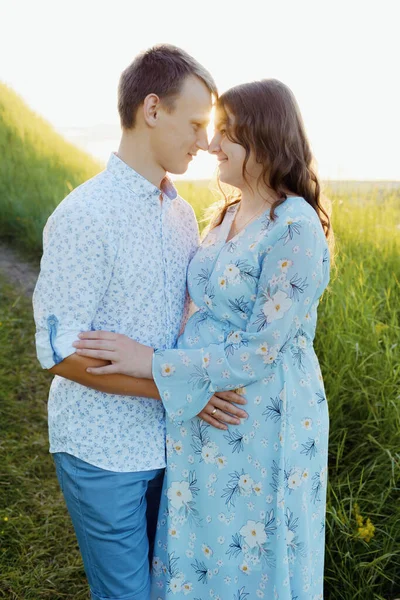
(358, 343)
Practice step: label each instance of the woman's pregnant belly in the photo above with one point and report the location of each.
(202, 330)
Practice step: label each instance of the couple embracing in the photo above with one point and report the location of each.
(191, 450)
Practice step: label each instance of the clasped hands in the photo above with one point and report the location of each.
(128, 357)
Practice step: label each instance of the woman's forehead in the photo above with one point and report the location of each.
(224, 115)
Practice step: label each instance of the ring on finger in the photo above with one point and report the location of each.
(214, 411)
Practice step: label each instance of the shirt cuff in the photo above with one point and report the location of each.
(51, 351)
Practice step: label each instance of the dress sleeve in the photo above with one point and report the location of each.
(290, 282)
(75, 271)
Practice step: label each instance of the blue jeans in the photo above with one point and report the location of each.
(114, 517)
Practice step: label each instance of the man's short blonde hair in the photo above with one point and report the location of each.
(159, 70)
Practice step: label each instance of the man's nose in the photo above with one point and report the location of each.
(202, 141)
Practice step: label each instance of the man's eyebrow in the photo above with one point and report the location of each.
(201, 121)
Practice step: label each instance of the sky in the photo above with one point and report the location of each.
(340, 58)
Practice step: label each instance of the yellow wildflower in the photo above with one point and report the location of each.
(365, 530)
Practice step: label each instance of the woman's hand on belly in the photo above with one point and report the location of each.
(221, 410)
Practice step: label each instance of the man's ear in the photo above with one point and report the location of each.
(151, 106)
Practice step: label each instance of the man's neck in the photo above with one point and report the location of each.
(136, 153)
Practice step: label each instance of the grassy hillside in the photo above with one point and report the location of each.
(38, 168)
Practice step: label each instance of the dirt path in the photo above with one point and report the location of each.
(18, 272)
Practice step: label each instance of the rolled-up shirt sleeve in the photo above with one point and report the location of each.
(75, 271)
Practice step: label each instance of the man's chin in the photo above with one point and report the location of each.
(177, 169)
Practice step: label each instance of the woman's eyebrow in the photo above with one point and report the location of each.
(221, 122)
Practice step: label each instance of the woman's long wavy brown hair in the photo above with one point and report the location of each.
(267, 121)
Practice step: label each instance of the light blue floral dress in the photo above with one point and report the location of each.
(243, 510)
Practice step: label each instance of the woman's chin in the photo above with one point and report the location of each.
(224, 178)
(223, 174)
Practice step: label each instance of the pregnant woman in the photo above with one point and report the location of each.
(243, 510)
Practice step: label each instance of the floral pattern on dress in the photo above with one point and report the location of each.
(243, 511)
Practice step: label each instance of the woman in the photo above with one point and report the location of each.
(243, 510)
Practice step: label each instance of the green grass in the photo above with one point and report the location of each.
(39, 558)
(358, 346)
(38, 168)
(358, 343)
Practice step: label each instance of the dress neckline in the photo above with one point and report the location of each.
(232, 214)
(242, 232)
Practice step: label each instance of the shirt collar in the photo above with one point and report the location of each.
(138, 183)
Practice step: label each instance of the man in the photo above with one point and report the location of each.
(116, 251)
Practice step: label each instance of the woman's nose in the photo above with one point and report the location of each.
(214, 145)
